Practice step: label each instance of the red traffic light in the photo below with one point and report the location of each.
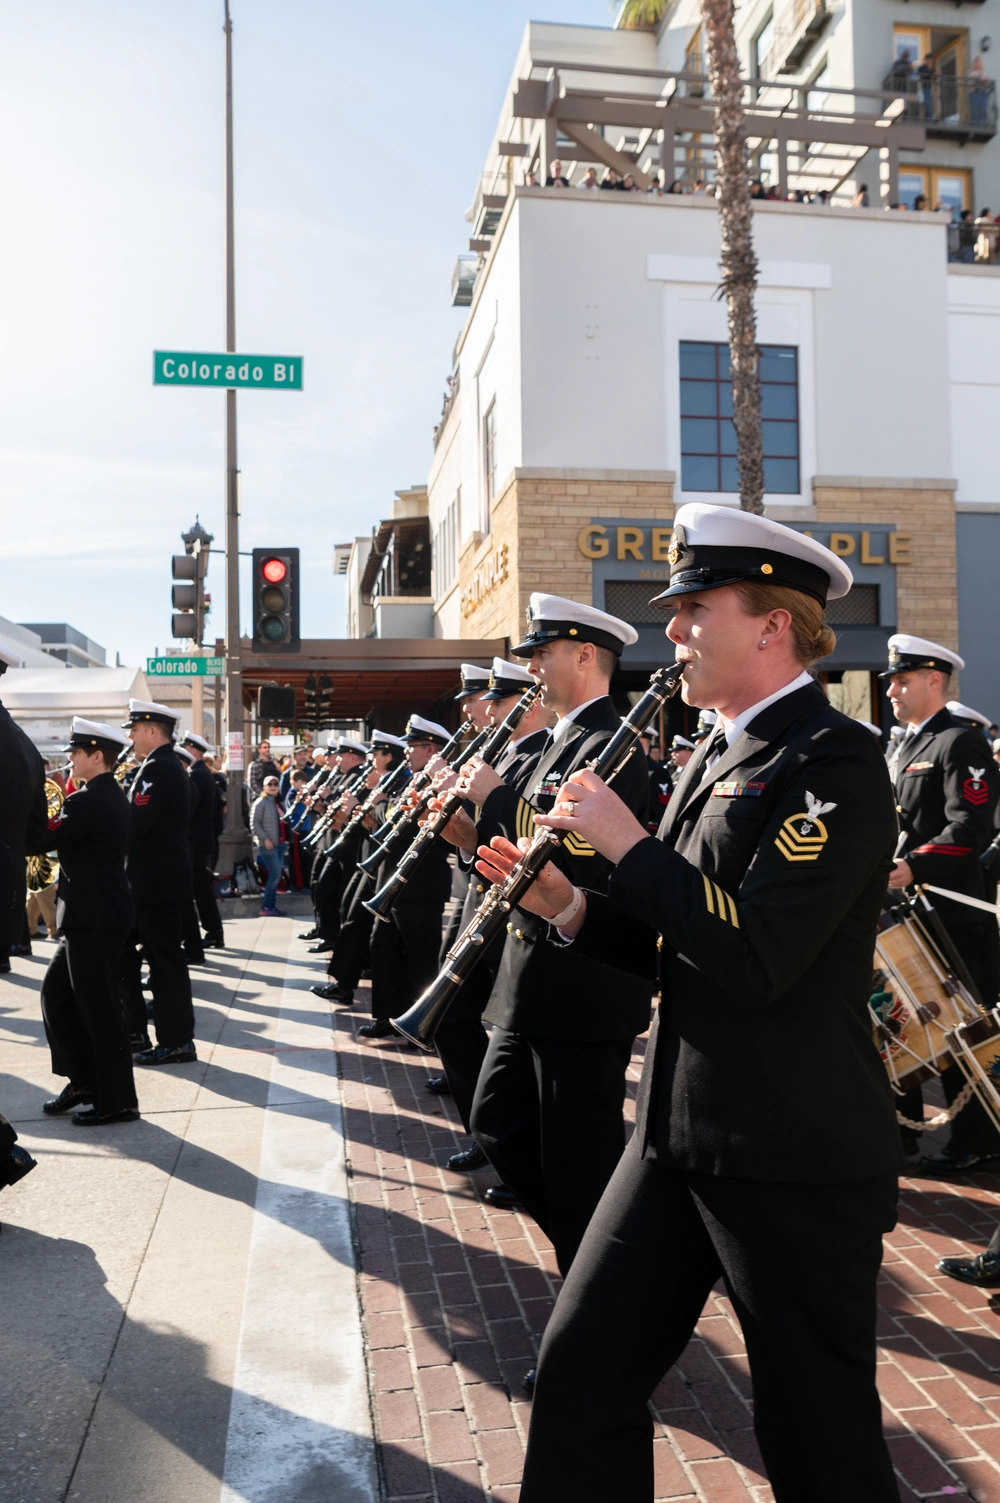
(274, 570)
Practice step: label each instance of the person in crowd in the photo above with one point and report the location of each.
(628, 184)
(744, 1164)
(654, 183)
(926, 75)
(531, 181)
(681, 750)
(269, 848)
(261, 766)
(757, 189)
(84, 1022)
(860, 199)
(298, 763)
(202, 839)
(24, 821)
(298, 823)
(700, 188)
(611, 179)
(589, 179)
(555, 178)
(978, 86)
(159, 875)
(920, 203)
(676, 186)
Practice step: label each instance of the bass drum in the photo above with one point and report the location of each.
(916, 1002)
(975, 1048)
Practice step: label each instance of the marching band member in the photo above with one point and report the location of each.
(766, 1150)
(84, 1023)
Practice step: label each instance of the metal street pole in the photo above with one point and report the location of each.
(235, 841)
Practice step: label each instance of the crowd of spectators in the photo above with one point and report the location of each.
(937, 94)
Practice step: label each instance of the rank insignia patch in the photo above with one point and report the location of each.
(919, 767)
(803, 836)
(738, 790)
(974, 789)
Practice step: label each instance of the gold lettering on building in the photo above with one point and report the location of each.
(899, 548)
(630, 540)
(842, 544)
(592, 541)
(486, 578)
(867, 556)
(659, 544)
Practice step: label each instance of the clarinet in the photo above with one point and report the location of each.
(323, 776)
(386, 786)
(496, 740)
(397, 832)
(422, 1021)
(324, 824)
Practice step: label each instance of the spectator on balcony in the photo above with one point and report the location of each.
(979, 89)
(966, 237)
(701, 187)
(589, 179)
(654, 183)
(610, 179)
(531, 181)
(926, 74)
(676, 186)
(757, 189)
(860, 199)
(555, 178)
(628, 184)
(920, 203)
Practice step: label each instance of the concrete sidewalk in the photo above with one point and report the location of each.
(180, 1311)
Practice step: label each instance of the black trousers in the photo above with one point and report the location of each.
(548, 1114)
(352, 947)
(404, 956)
(204, 896)
(461, 1041)
(159, 929)
(84, 1019)
(800, 1263)
(328, 892)
(194, 948)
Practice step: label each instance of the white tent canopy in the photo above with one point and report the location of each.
(43, 702)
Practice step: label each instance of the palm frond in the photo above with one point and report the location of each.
(640, 15)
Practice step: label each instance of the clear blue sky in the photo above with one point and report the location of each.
(360, 131)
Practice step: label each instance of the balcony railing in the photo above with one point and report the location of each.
(962, 105)
(974, 244)
(796, 27)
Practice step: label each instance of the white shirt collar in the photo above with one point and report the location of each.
(560, 726)
(734, 728)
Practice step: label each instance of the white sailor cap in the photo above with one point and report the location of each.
(474, 680)
(94, 735)
(508, 679)
(896, 731)
(8, 659)
(147, 709)
(714, 546)
(681, 743)
(907, 652)
(965, 712)
(419, 729)
(350, 744)
(706, 719)
(552, 618)
(191, 738)
(869, 726)
(184, 754)
(383, 739)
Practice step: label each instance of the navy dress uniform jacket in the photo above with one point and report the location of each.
(543, 988)
(159, 863)
(91, 835)
(24, 822)
(946, 791)
(764, 883)
(201, 822)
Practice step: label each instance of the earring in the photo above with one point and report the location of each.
(763, 642)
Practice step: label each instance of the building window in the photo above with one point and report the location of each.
(445, 550)
(859, 607)
(763, 44)
(943, 187)
(490, 455)
(708, 436)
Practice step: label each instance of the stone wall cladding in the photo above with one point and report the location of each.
(539, 520)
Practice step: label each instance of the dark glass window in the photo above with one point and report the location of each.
(708, 437)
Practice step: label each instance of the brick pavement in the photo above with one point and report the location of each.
(455, 1295)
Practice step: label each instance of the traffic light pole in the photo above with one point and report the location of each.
(235, 843)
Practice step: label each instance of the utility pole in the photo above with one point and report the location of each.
(235, 841)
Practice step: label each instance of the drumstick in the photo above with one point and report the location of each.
(959, 897)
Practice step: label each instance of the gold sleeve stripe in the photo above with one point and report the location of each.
(577, 846)
(524, 821)
(719, 903)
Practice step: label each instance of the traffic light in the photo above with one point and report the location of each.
(189, 599)
(275, 600)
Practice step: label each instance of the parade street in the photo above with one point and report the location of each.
(213, 1303)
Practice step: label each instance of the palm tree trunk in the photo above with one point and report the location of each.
(739, 262)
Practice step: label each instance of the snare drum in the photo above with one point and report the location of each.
(976, 1050)
(916, 1001)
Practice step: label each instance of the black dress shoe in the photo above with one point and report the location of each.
(19, 950)
(140, 1042)
(379, 1028)
(166, 1054)
(468, 1159)
(528, 1381)
(319, 948)
(310, 934)
(214, 942)
(69, 1097)
(951, 1161)
(502, 1198)
(91, 1119)
(983, 1270)
(332, 991)
(16, 1165)
(4, 966)
(437, 1085)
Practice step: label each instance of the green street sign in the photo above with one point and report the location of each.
(179, 667)
(261, 372)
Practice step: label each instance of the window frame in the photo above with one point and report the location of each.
(719, 383)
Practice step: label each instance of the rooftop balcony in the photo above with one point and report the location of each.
(950, 106)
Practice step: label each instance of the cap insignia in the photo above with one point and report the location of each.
(677, 542)
(766, 569)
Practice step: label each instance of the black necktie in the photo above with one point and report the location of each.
(717, 744)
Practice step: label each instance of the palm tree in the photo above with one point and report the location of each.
(739, 261)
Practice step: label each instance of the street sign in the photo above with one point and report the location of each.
(261, 372)
(178, 667)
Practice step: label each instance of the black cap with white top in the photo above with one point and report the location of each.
(907, 653)
(419, 729)
(713, 546)
(552, 618)
(140, 710)
(508, 679)
(191, 738)
(974, 718)
(474, 680)
(94, 735)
